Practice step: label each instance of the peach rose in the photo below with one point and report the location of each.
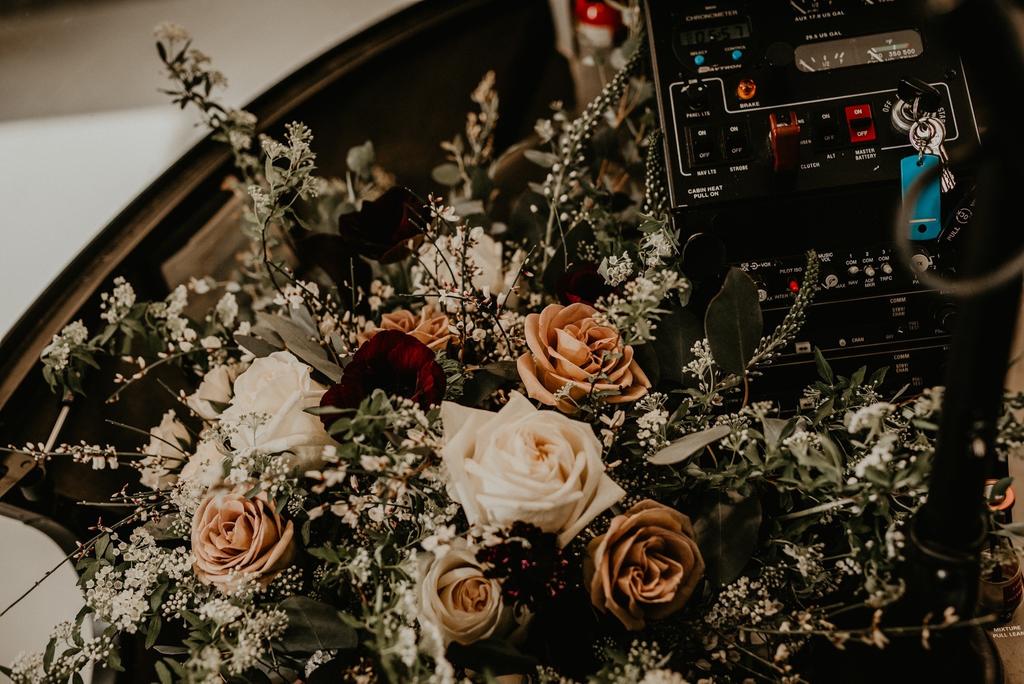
(234, 537)
(568, 347)
(430, 327)
(645, 566)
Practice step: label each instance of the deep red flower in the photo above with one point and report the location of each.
(392, 361)
(386, 228)
(582, 283)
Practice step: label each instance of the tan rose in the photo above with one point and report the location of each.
(430, 327)
(234, 537)
(457, 599)
(645, 566)
(568, 347)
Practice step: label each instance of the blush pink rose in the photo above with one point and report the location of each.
(234, 537)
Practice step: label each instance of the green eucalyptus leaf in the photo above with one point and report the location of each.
(256, 346)
(494, 656)
(733, 322)
(687, 446)
(774, 428)
(447, 174)
(298, 342)
(672, 346)
(481, 385)
(727, 531)
(163, 673)
(545, 159)
(315, 626)
(824, 369)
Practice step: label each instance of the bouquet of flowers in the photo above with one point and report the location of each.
(472, 444)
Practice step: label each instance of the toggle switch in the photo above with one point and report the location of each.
(859, 123)
(784, 140)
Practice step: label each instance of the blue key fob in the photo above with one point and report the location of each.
(925, 215)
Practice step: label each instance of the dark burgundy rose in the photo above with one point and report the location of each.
(392, 361)
(384, 228)
(528, 561)
(582, 283)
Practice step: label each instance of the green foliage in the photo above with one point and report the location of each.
(315, 626)
(733, 322)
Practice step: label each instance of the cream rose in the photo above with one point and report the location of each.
(569, 348)
(234, 537)
(165, 452)
(214, 389)
(457, 599)
(206, 466)
(540, 467)
(267, 411)
(430, 327)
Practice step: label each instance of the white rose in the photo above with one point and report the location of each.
(268, 414)
(165, 452)
(215, 387)
(540, 467)
(457, 599)
(206, 466)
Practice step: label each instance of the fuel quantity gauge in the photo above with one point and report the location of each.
(848, 52)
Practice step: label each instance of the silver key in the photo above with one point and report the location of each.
(927, 136)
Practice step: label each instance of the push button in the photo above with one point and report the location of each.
(737, 142)
(859, 123)
(703, 144)
(825, 125)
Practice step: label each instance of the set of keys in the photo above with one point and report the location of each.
(927, 135)
(914, 113)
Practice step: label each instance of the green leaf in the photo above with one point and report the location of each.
(491, 655)
(733, 322)
(672, 345)
(775, 428)
(170, 650)
(315, 626)
(687, 446)
(446, 174)
(51, 648)
(163, 673)
(258, 347)
(824, 369)
(727, 533)
(296, 340)
(545, 159)
(153, 632)
(360, 159)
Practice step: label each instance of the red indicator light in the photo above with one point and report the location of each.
(794, 286)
